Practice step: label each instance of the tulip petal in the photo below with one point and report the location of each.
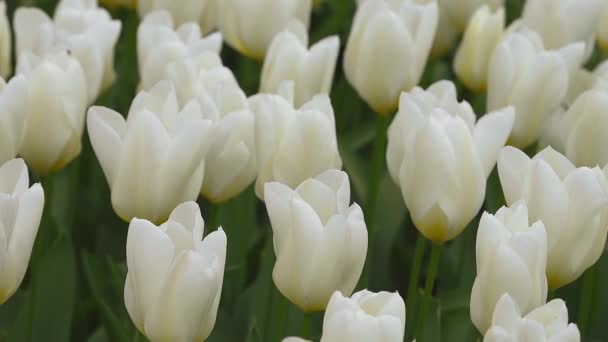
(106, 130)
(490, 135)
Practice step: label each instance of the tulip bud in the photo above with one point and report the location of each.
(159, 45)
(13, 111)
(602, 30)
(548, 323)
(534, 81)
(20, 213)
(571, 202)
(249, 26)
(511, 258)
(5, 43)
(86, 31)
(316, 233)
(366, 316)
(387, 50)
(56, 105)
(481, 37)
(293, 145)
(174, 279)
(184, 11)
(230, 164)
(461, 11)
(155, 159)
(288, 58)
(441, 158)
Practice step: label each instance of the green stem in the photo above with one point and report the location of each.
(305, 330)
(413, 283)
(586, 300)
(428, 289)
(281, 313)
(376, 171)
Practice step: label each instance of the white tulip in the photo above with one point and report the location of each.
(480, 38)
(602, 30)
(249, 26)
(82, 28)
(174, 279)
(155, 159)
(200, 11)
(319, 241)
(56, 105)
(291, 144)
(533, 80)
(441, 158)
(230, 164)
(562, 22)
(13, 111)
(571, 202)
(288, 58)
(387, 49)
(548, 323)
(20, 213)
(461, 11)
(5, 43)
(365, 316)
(159, 45)
(511, 258)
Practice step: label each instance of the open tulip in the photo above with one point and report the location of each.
(291, 144)
(230, 164)
(174, 279)
(288, 58)
(159, 45)
(547, 323)
(249, 26)
(56, 105)
(5, 43)
(531, 79)
(13, 110)
(20, 213)
(201, 11)
(315, 233)
(155, 159)
(572, 203)
(511, 258)
(387, 49)
(461, 11)
(441, 158)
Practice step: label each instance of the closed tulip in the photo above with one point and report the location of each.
(5, 43)
(291, 144)
(365, 316)
(13, 110)
(155, 159)
(174, 279)
(249, 26)
(531, 79)
(288, 58)
(461, 11)
(441, 158)
(480, 38)
(80, 27)
(230, 164)
(319, 240)
(201, 11)
(511, 258)
(547, 323)
(159, 45)
(571, 202)
(56, 105)
(602, 30)
(386, 51)
(20, 212)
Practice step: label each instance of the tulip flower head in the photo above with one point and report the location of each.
(319, 240)
(5, 43)
(199, 11)
(441, 158)
(13, 110)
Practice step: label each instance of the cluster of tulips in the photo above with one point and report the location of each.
(192, 130)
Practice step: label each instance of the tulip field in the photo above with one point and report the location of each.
(304, 170)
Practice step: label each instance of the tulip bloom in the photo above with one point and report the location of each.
(571, 202)
(511, 258)
(461, 11)
(174, 279)
(13, 111)
(534, 81)
(387, 51)
(200, 11)
(249, 26)
(316, 233)
(547, 323)
(288, 58)
(159, 45)
(441, 158)
(155, 159)
(5, 43)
